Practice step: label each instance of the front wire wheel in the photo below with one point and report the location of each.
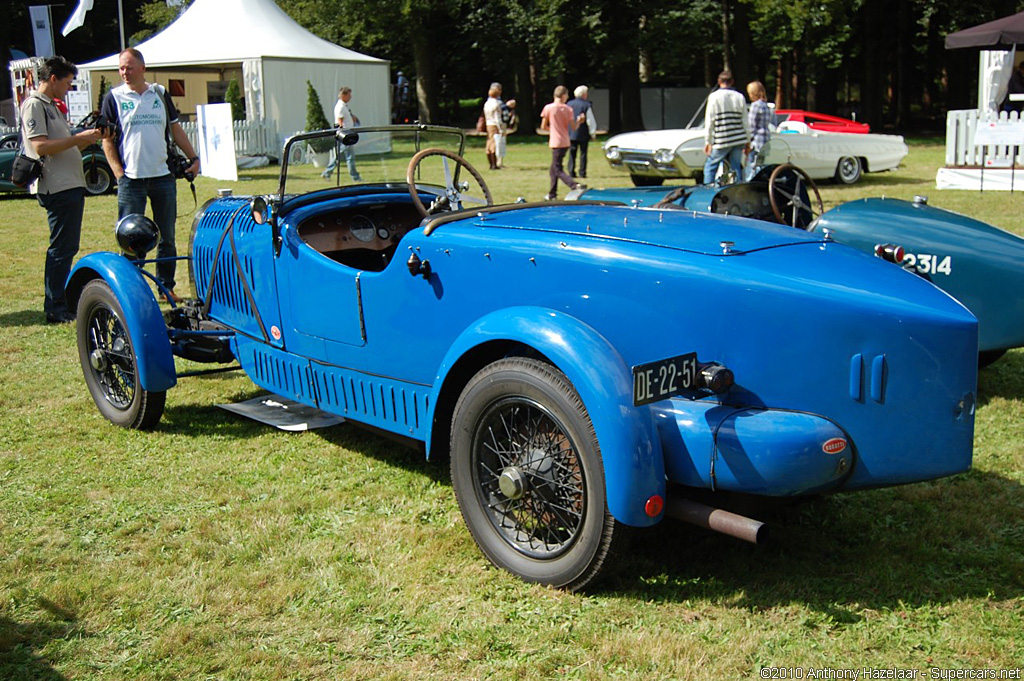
(528, 476)
(109, 362)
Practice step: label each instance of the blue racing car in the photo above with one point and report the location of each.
(585, 365)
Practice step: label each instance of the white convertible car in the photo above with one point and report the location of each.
(651, 156)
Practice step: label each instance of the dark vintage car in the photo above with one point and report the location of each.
(980, 265)
(586, 366)
(99, 178)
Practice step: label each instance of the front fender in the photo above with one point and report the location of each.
(634, 467)
(142, 315)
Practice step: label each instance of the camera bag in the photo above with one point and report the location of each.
(25, 170)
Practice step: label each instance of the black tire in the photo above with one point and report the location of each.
(99, 178)
(528, 476)
(11, 141)
(848, 170)
(109, 361)
(646, 181)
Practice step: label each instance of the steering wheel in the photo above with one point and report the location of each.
(794, 199)
(454, 195)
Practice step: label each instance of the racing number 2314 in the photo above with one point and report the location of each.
(926, 263)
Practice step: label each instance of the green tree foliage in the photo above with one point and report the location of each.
(104, 88)
(233, 96)
(155, 16)
(315, 118)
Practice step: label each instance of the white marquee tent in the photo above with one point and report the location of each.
(276, 55)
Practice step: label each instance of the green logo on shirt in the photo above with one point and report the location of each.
(127, 106)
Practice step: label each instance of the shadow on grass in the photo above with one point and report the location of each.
(22, 318)
(1004, 378)
(191, 419)
(929, 543)
(19, 642)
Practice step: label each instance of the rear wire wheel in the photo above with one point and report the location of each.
(528, 476)
(109, 361)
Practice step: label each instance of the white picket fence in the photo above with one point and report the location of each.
(252, 138)
(960, 149)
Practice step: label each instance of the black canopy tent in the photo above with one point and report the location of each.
(1001, 34)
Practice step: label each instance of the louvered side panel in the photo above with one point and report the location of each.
(385, 403)
(280, 373)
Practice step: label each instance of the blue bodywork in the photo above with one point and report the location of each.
(980, 265)
(849, 372)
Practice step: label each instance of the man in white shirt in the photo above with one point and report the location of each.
(145, 123)
(344, 118)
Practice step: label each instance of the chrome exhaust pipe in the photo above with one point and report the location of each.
(711, 518)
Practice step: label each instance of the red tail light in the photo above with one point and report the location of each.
(890, 252)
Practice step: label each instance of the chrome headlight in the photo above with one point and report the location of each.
(612, 153)
(664, 156)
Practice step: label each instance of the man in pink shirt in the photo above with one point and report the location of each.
(558, 118)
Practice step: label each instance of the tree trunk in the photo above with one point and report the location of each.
(426, 76)
(780, 79)
(875, 51)
(629, 80)
(742, 67)
(904, 66)
(726, 40)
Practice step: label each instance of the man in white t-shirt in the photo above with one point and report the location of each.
(145, 122)
(344, 118)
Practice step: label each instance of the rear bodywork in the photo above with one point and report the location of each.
(980, 265)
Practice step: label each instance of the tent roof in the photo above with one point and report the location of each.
(224, 31)
(999, 34)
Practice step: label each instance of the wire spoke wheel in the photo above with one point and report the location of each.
(109, 361)
(527, 472)
(110, 358)
(529, 477)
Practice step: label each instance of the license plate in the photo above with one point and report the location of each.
(665, 378)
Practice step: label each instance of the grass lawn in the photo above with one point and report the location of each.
(217, 548)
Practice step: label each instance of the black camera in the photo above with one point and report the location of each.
(179, 166)
(104, 125)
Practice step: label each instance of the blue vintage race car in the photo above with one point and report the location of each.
(980, 265)
(586, 366)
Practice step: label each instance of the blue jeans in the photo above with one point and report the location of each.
(734, 155)
(64, 213)
(752, 166)
(350, 160)
(163, 197)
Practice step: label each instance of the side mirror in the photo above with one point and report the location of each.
(259, 209)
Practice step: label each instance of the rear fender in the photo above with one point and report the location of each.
(634, 467)
(141, 311)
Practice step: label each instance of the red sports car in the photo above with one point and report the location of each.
(824, 122)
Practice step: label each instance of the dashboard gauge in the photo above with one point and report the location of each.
(362, 228)
(382, 232)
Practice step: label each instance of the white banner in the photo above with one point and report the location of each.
(40, 17)
(77, 17)
(78, 105)
(216, 141)
(999, 132)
